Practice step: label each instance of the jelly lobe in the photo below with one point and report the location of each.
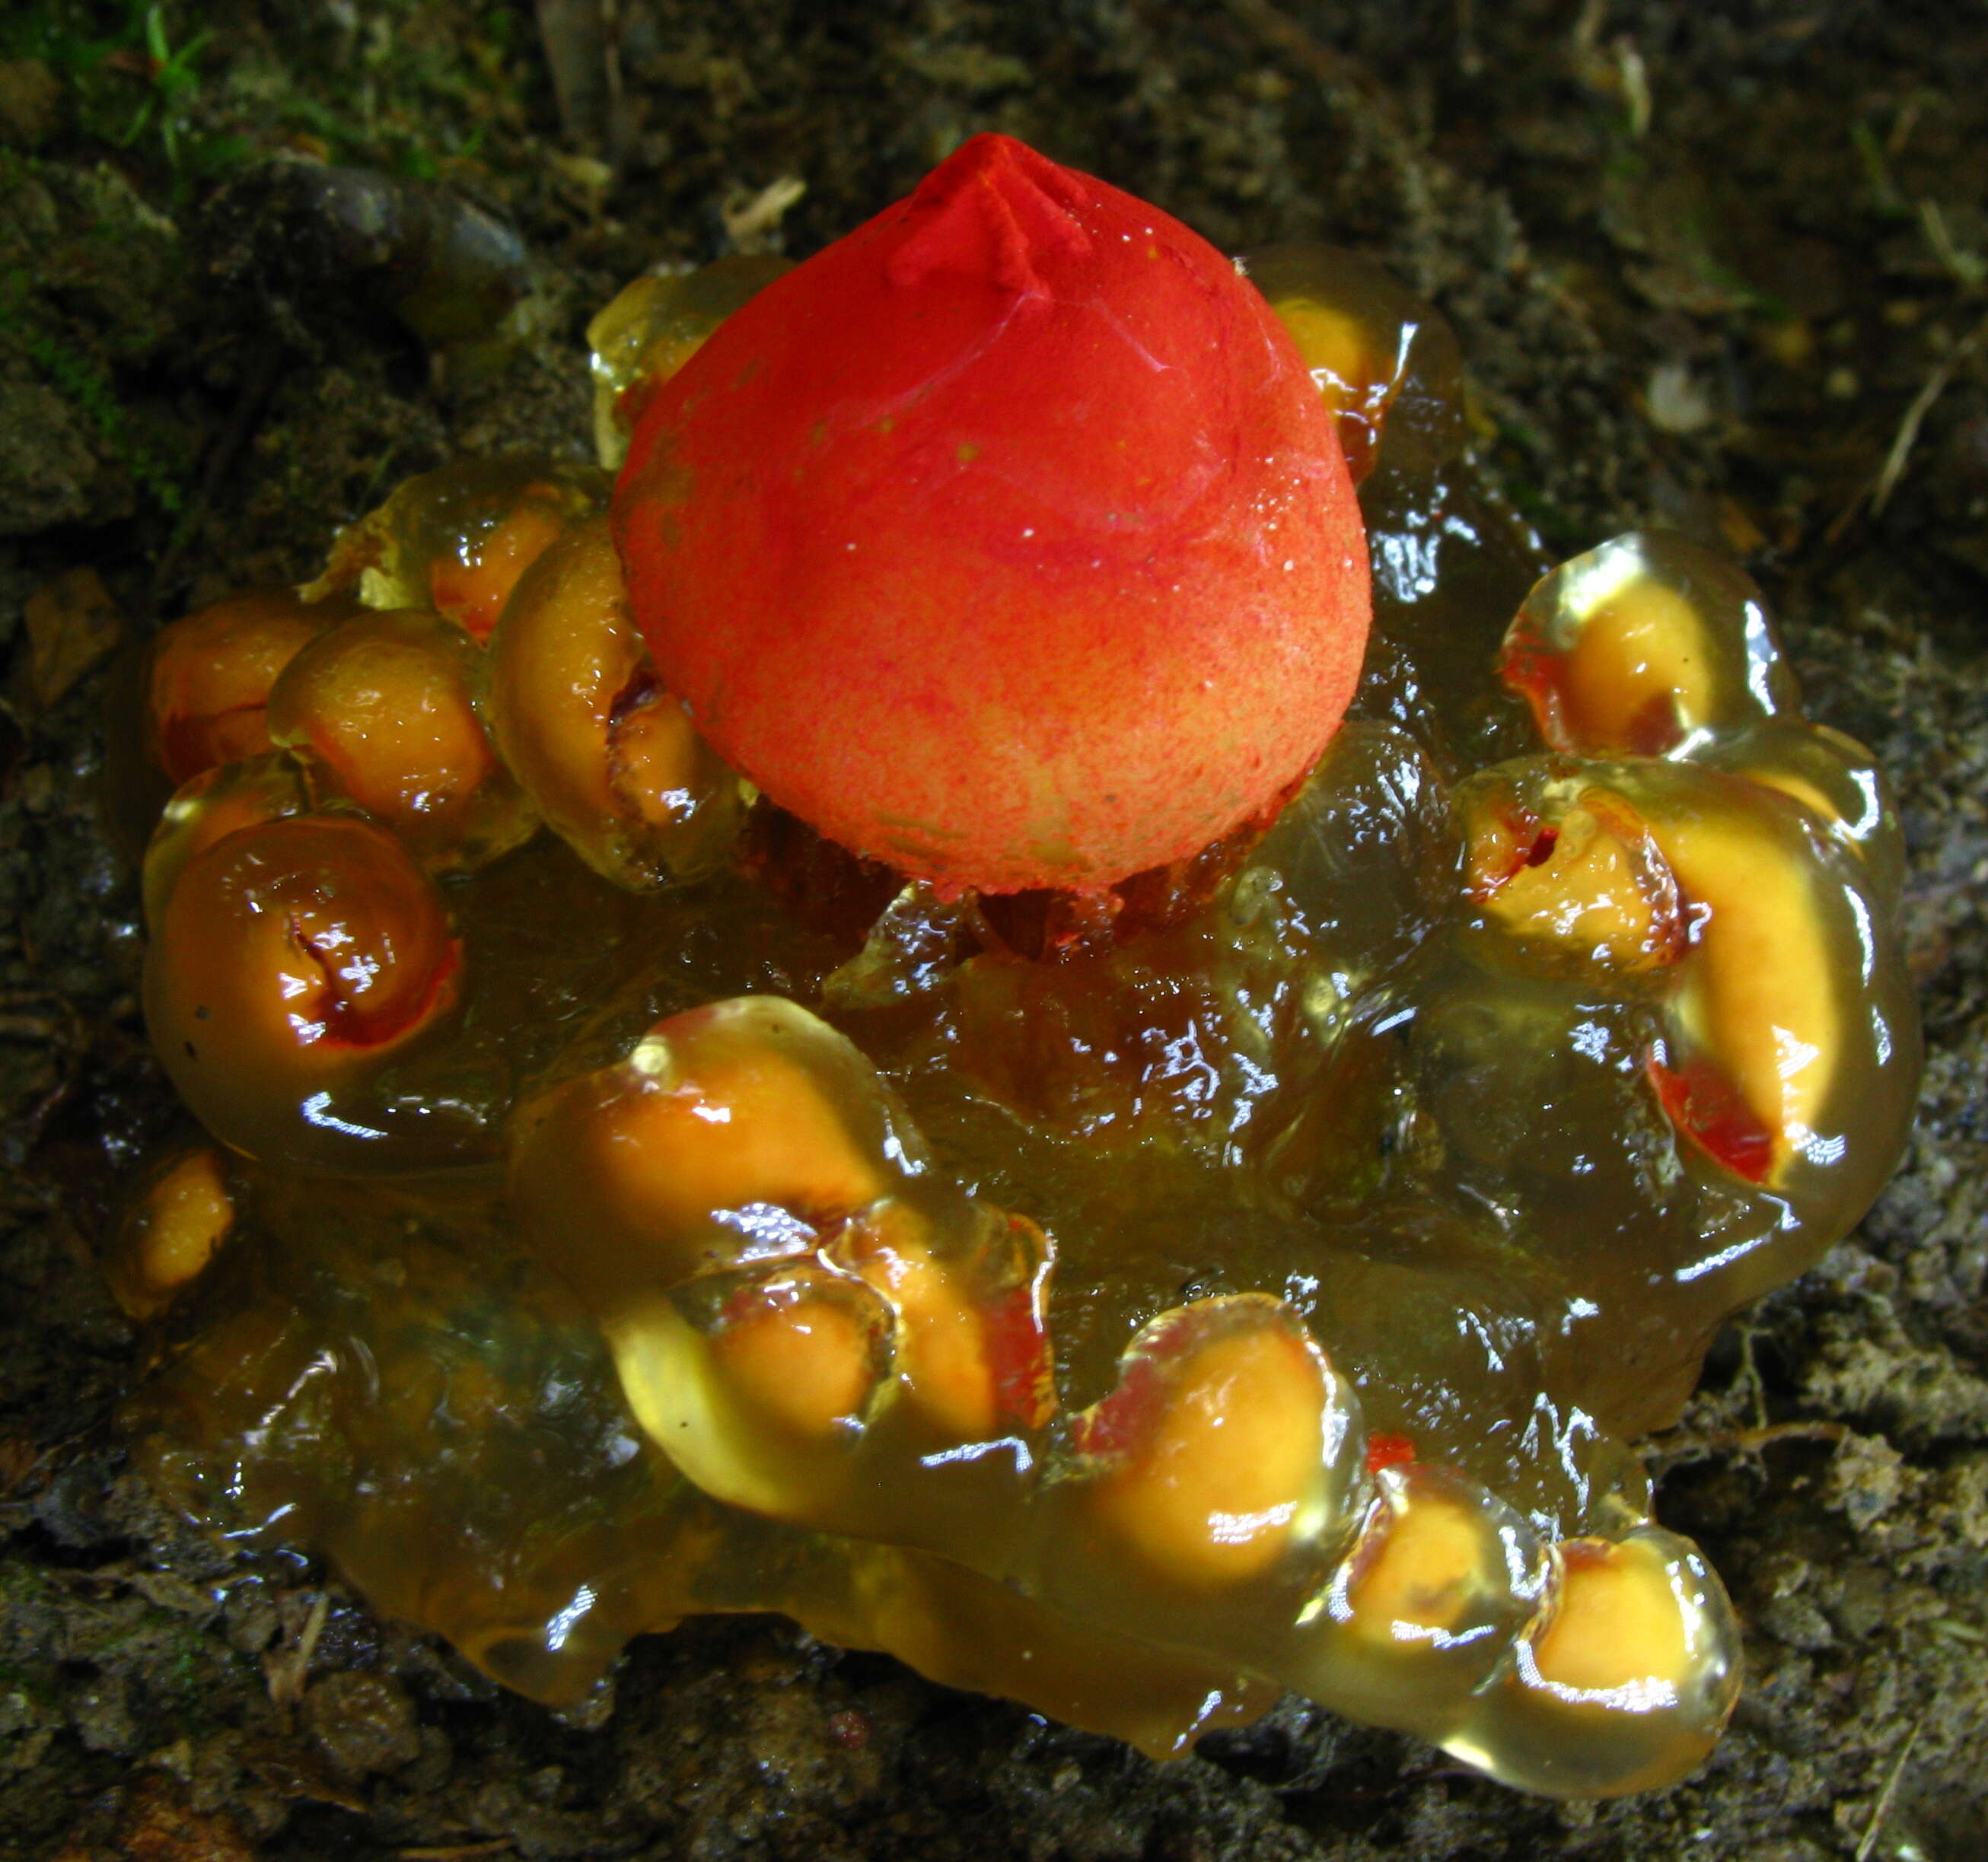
(209, 808)
(1070, 455)
(1640, 645)
(1441, 1580)
(457, 539)
(382, 712)
(1785, 1038)
(294, 962)
(210, 674)
(1387, 366)
(1200, 1506)
(653, 327)
(743, 1130)
(399, 1317)
(585, 725)
(1623, 1685)
(1229, 1455)
(171, 1233)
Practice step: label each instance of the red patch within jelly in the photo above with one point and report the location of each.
(1007, 540)
(1705, 1104)
(1385, 1450)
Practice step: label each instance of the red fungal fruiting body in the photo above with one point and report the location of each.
(1007, 540)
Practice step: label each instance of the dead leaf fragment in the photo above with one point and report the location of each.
(157, 1825)
(73, 625)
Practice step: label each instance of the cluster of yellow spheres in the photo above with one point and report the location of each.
(1248, 1283)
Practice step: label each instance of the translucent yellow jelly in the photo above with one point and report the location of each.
(209, 674)
(1134, 1305)
(171, 1232)
(653, 327)
(381, 712)
(576, 708)
(456, 541)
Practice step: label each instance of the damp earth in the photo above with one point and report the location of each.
(1537, 811)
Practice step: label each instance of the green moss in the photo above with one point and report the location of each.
(86, 386)
(134, 78)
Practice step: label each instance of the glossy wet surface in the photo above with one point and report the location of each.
(1405, 1075)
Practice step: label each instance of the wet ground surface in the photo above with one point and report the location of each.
(1728, 274)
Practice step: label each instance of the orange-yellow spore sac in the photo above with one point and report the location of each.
(650, 328)
(292, 960)
(1624, 1679)
(1571, 868)
(758, 1382)
(383, 709)
(969, 1295)
(1385, 364)
(1788, 1036)
(1439, 1562)
(657, 761)
(175, 1226)
(1639, 646)
(744, 1129)
(799, 1354)
(610, 759)
(211, 671)
(1783, 1022)
(1833, 779)
(1224, 1452)
(210, 807)
(1423, 1605)
(457, 539)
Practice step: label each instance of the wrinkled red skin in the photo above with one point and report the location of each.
(1007, 540)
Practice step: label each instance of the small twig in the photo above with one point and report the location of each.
(287, 1668)
(1750, 1441)
(1904, 123)
(1891, 1789)
(1957, 1630)
(1967, 267)
(1635, 75)
(1757, 1388)
(1278, 31)
(1908, 434)
(764, 212)
(1747, 1441)
(1878, 493)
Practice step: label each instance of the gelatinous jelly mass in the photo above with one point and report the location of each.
(1134, 1300)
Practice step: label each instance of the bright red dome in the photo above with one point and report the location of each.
(1007, 540)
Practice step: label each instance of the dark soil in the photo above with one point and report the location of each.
(1724, 267)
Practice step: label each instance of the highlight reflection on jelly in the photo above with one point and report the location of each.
(996, 1123)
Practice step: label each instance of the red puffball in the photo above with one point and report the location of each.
(1007, 540)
